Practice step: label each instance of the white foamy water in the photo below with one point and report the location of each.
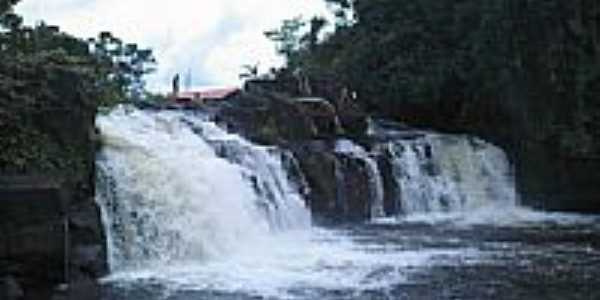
(167, 196)
(442, 173)
(297, 265)
(494, 215)
(189, 206)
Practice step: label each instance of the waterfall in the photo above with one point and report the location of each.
(175, 187)
(376, 192)
(446, 173)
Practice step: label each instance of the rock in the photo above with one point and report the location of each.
(353, 188)
(354, 123)
(10, 289)
(391, 187)
(273, 118)
(36, 242)
(79, 290)
(339, 183)
(88, 252)
(89, 260)
(85, 217)
(318, 164)
(322, 115)
(32, 228)
(48, 174)
(294, 172)
(266, 120)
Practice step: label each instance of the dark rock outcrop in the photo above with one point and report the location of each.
(391, 187)
(353, 188)
(319, 166)
(548, 181)
(277, 119)
(50, 228)
(339, 184)
(34, 237)
(308, 127)
(10, 289)
(47, 236)
(82, 289)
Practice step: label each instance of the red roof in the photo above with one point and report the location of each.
(211, 94)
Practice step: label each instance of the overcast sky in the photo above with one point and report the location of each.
(212, 38)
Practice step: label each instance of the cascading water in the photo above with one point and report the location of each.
(438, 173)
(264, 168)
(192, 212)
(168, 196)
(191, 207)
(376, 191)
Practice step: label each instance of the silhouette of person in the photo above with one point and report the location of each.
(176, 84)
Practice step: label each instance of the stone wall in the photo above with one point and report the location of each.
(34, 236)
(46, 238)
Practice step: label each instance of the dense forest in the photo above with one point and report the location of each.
(51, 81)
(524, 74)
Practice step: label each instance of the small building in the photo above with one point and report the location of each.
(206, 96)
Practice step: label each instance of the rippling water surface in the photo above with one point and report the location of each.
(523, 255)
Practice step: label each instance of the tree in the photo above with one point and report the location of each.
(124, 64)
(288, 39)
(249, 72)
(488, 68)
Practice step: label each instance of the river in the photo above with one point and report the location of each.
(186, 219)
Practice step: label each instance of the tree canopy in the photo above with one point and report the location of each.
(509, 70)
(46, 73)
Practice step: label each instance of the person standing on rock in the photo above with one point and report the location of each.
(176, 85)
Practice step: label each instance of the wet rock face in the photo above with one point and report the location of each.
(276, 119)
(390, 185)
(268, 117)
(47, 235)
(318, 164)
(10, 289)
(337, 186)
(338, 183)
(353, 191)
(87, 251)
(32, 218)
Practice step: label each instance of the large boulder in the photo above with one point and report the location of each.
(339, 183)
(33, 232)
(391, 186)
(272, 118)
(47, 237)
(88, 257)
(10, 289)
(319, 164)
(354, 196)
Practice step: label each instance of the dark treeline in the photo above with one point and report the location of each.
(511, 69)
(522, 73)
(51, 84)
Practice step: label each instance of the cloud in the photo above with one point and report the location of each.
(212, 38)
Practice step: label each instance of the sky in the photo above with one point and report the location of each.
(211, 39)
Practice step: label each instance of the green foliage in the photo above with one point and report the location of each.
(51, 85)
(287, 38)
(123, 64)
(6, 8)
(510, 70)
